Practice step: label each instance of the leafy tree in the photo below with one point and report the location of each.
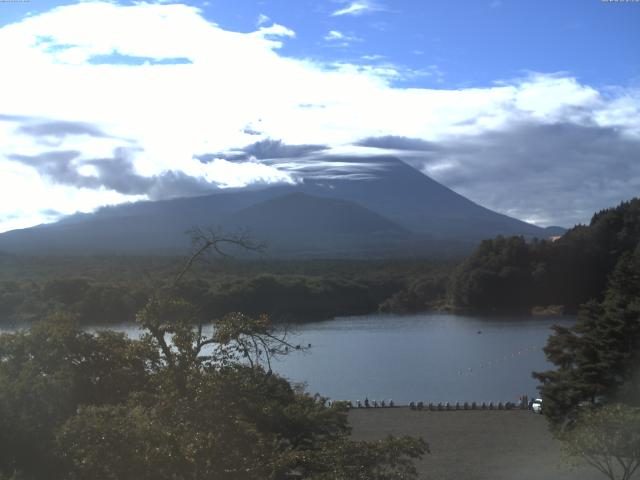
(46, 374)
(607, 438)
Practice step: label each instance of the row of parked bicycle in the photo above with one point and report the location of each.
(534, 405)
(462, 406)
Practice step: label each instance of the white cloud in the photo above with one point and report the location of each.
(359, 7)
(224, 81)
(25, 197)
(262, 19)
(336, 37)
(235, 174)
(274, 31)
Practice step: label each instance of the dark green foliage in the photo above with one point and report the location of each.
(598, 359)
(506, 274)
(46, 373)
(76, 405)
(292, 297)
(134, 443)
(424, 293)
(498, 273)
(91, 302)
(293, 291)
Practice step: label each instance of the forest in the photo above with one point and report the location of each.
(511, 274)
(503, 275)
(109, 290)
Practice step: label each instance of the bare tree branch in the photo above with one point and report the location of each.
(206, 239)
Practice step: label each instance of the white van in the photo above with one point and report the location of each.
(536, 406)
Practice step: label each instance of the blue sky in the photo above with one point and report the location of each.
(473, 43)
(531, 108)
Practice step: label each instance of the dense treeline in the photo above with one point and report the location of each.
(91, 303)
(105, 290)
(512, 274)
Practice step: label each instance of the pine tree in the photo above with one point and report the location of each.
(598, 358)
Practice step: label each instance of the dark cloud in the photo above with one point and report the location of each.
(393, 142)
(251, 131)
(337, 167)
(265, 150)
(52, 132)
(116, 173)
(60, 129)
(58, 167)
(554, 173)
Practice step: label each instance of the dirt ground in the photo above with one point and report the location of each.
(475, 444)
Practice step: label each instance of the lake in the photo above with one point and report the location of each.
(428, 357)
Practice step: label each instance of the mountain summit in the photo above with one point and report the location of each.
(345, 206)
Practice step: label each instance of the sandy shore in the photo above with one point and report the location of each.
(475, 445)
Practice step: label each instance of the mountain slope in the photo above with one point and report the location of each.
(345, 206)
(302, 223)
(419, 203)
(299, 213)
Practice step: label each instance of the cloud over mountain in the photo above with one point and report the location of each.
(398, 142)
(265, 150)
(530, 165)
(116, 173)
(556, 173)
(240, 95)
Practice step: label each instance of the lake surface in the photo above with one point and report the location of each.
(428, 357)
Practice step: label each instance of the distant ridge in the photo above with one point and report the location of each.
(297, 212)
(387, 209)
